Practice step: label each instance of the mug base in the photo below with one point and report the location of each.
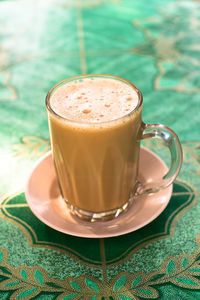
(98, 216)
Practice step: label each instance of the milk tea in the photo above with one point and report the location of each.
(94, 126)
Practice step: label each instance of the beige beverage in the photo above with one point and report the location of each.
(95, 127)
(94, 134)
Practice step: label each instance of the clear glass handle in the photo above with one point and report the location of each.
(171, 141)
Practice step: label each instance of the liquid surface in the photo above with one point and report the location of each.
(94, 100)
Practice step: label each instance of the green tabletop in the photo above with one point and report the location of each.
(156, 45)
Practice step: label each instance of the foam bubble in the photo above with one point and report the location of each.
(86, 111)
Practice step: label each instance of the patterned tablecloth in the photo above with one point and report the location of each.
(154, 44)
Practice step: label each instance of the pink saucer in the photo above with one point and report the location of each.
(43, 197)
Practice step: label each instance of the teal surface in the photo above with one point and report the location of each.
(154, 44)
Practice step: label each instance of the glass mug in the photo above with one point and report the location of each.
(97, 162)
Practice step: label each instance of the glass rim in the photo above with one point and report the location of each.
(50, 109)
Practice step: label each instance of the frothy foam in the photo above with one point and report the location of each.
(95, 99)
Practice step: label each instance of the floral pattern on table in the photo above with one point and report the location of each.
(85, 3)
(25, 283)
(175, 50)
(7, 90)
(31, 147)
